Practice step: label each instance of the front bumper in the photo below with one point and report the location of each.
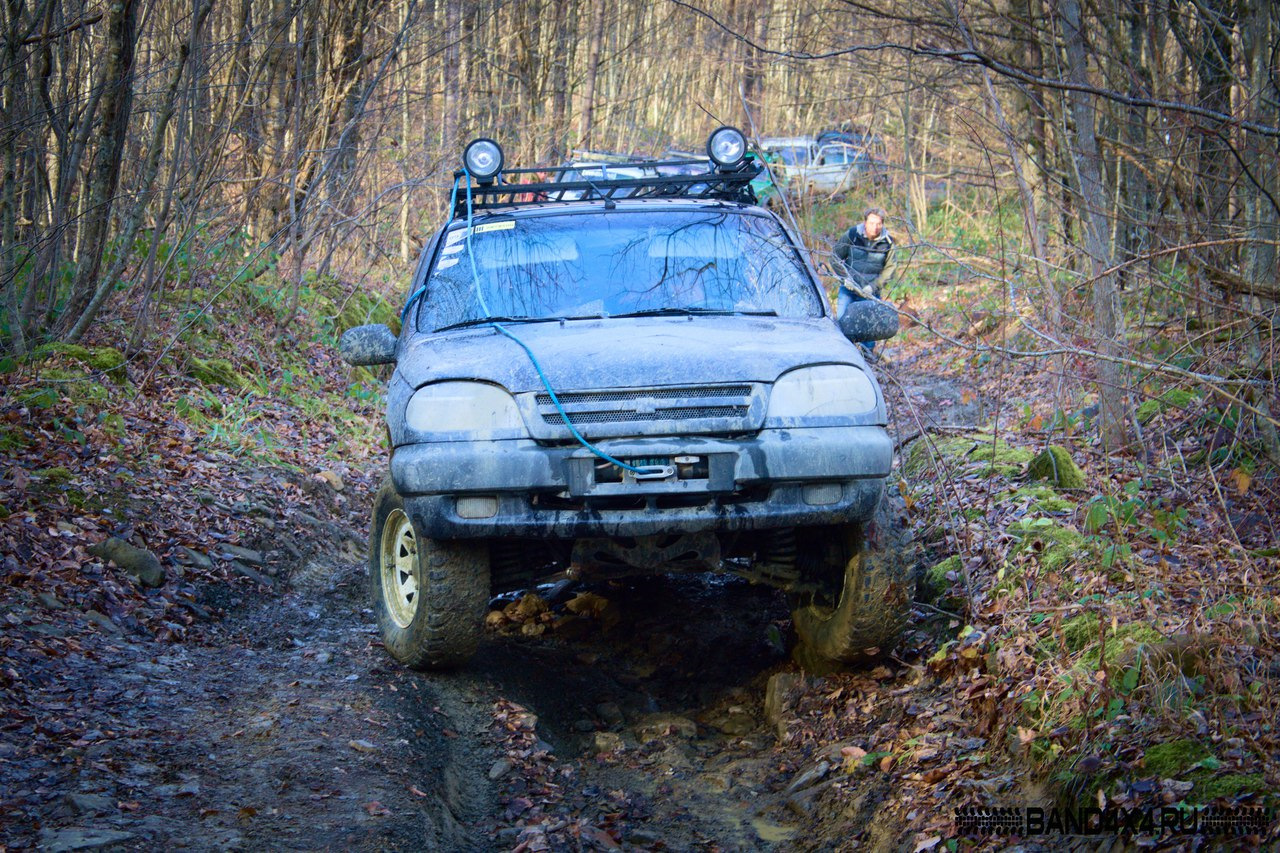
(752, 483)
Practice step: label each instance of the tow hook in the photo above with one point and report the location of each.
(655, 472)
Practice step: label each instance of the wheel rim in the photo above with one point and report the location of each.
(399, 559)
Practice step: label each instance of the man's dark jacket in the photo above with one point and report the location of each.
(864, 260)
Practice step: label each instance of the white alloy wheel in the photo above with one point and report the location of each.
(400, 587)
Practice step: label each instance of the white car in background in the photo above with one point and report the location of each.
(788, 157)
(838, 167)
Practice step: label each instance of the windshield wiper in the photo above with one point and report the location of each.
(480, 321)
(692, 312)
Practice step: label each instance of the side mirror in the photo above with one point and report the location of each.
(365, 345)
(869, 320)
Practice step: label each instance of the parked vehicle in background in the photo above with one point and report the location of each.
(839, 167)
(602, 167)
(789, 157)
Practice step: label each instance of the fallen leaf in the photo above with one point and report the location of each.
(362, 746)
(246, 812)
(377, 809)
(413, 789)
(1242, 480)
(927, 842)
(886, 763)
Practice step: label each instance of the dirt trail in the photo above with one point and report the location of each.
(289, 728)
(286, 726)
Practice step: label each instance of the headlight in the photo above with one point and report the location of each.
(474, 408)
(828, 391)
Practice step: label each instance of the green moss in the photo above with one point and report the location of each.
(193, 296)
(113, 425)
(1054, 545)
(1080, 631)
(1209, 787)
(8, 364)
(214, 371)
(1171, 760)
(1043, 498)
(935, 578)
(365, 307)
(1002, 458)
(1121, 643)
(12, 439)
(57, 476)
(1175, 398)
(101, 359)
(75, 386)
(1056, 466)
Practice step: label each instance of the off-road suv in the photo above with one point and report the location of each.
(644, 379)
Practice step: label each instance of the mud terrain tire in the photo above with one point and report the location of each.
(869, 574)
(429, 595)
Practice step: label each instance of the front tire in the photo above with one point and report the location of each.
(866, 577)
(429, 595)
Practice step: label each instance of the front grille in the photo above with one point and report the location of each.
(643, 405)
(665, 414)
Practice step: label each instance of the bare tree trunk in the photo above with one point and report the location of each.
(117, 103)
(1093, 207)
(1261, 30)
(593, 70)
(453, 32)
(133, 217)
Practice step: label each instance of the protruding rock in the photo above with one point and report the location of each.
(779, 697)
(103, 622)
(139, 562)
(610, 713)
(608, 742)
(655, 726)
(809, 777)
(65, 840)
(333, 478)
(244, 555)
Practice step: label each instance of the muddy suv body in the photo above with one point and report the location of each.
(616, 385)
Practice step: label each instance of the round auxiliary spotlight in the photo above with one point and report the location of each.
(727, 146)
(483, 159)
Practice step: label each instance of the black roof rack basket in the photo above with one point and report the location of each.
(547, 188)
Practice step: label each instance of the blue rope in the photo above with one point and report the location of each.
(417, 294)
(546, 383)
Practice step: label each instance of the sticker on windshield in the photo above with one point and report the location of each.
(446, 263)
(495, 226)
(454, 237)
(452, 248)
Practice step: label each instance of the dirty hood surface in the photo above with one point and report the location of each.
(627, 352)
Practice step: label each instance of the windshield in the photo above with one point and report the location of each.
(797, 156)
(616, 263)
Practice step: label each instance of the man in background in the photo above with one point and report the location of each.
(862, 253)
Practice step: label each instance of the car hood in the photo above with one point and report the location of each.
(627, 352)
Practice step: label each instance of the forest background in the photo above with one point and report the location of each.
(1099, 180)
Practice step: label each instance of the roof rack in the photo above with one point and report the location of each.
(716, 183)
